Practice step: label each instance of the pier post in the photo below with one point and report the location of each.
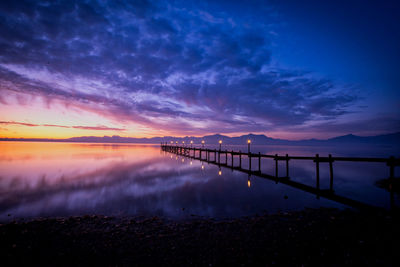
(249, 161)
(259, 162)
(240, 159)
(219, 156)
(276, 165)
(317, 169)
(226, 157)
(330, 173)
(232, 158)
(287, 165)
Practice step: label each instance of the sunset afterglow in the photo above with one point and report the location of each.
(153, 68)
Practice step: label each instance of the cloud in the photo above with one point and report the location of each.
(162, 66)
(19, 123)
(96, 128)
(369, 126)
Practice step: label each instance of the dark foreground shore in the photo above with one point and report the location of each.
(313, 237)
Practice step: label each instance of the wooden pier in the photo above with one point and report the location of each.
(220, 158)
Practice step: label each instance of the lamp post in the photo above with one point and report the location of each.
(191, 143)
(202, 143)
(183, 143)
(220, 143)
(248, 145)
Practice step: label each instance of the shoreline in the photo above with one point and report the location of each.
(311, 237)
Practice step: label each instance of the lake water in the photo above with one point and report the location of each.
(63, 179)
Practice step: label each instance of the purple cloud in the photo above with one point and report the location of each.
(161, 66)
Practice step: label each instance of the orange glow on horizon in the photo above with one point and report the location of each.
(58, 119)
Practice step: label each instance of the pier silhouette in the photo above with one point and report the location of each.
(221, 158)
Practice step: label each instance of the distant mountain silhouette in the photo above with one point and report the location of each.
(386, 139)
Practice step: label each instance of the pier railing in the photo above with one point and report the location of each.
(214, 156)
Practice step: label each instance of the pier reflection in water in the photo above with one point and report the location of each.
(62, 179)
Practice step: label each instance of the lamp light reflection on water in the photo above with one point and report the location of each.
(248, 183)
(219, 172)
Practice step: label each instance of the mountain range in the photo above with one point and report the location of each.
(386, 139)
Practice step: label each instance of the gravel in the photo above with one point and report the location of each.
(312, 237)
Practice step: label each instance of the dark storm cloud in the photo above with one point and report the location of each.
(160, 61)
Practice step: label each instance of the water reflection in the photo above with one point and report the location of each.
(61, 179)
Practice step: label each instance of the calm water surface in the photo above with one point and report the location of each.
(62, 179)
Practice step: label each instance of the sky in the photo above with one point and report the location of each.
(286, 69)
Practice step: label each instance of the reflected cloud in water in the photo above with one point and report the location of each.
(62, 179)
